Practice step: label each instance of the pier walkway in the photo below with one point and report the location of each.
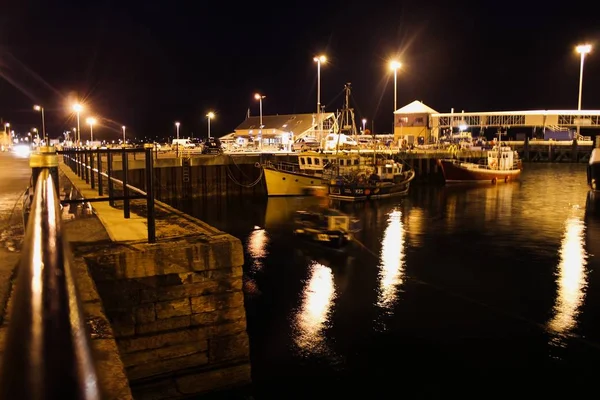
(166, 319)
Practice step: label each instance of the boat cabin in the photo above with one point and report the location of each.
(315, 163)
(501, 157)
(388, 171)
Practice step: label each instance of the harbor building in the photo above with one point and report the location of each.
(413, 121)
(279, 130)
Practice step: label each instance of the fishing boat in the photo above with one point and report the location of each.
(374, 179)
(306, 176)
(502, 164)
(593, 169)
(326, 228)
(388, 179)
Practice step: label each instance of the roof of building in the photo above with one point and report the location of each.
(297, 123)
(416, 107)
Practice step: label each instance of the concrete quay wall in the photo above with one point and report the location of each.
(176, 307)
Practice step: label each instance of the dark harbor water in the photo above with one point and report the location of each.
(456, 284)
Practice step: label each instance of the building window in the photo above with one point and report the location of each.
(419, 120)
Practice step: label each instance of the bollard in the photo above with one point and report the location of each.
(44, 157)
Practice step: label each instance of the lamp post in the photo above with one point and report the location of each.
(260, 98)
(582, 49)
(41, 109)
(123, 127)
(91, 121)
(177, 128)
(319, 60)
(210, 116)
(394, 66)
(77, 108)
(364, 122)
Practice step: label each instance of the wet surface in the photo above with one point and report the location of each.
(477, 280)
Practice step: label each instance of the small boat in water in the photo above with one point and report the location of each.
(326, 228)
(502, 165)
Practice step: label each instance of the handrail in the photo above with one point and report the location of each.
(48, 354)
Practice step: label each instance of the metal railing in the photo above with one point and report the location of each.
(88, 165)
(48, 353)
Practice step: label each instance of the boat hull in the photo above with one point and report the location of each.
(283, 183)
(364, 192)
(593, 170)
(456, 172)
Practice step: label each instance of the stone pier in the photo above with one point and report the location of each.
(176, 307)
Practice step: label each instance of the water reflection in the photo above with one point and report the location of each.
(572, 279)
(257, 247)
(313, 316)
(415, 226)
(391, 268)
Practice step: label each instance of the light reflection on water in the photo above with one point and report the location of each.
(313, 316)
(571, 277)
(515, 247)
(391, 265)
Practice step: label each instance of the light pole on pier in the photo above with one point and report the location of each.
(394, 66)
(210, 116)
(364, 122)
(177, 128)
(582, 49)
(91, 121)
(77, 108)
(123, 127)
(319, 60)
(41, 109)
(260, 98)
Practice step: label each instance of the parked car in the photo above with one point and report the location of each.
(305, 144)
(212, 146)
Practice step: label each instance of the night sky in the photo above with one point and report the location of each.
(148, 64)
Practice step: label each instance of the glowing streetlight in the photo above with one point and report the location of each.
(123, 127)
(364, 122)
(260, 98)
(78, 108)
(319, 60)
(394, 66)
(91, 121)
(41, 109)
(582, 49)
(177, 128)
(209, 116)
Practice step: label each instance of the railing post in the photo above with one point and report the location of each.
(99, 163)
(86, 165)
(92, 169)
(78, 163)
(150, 193)
(125, 168)
(109, 172)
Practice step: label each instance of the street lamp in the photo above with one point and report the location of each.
(210, 116)
(260, 98)
(78, 108)
(40, 108)
(394, 66)
(364, 122)
(123, 127)
(177, 127)
(582, 49)
(91, 121)
(319, 60)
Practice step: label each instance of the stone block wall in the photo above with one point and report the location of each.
(177, 311)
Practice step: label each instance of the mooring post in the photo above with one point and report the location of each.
(44, 157)
(150, 193)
